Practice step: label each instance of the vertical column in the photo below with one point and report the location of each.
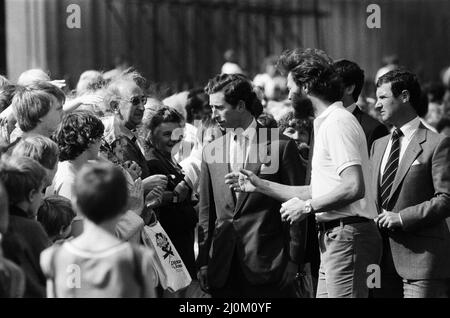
(26, 41)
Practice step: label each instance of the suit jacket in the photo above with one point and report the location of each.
(177, 219)
(249, 226)
(373, 129)
(421, 194)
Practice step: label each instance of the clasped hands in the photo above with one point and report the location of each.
(291, 211)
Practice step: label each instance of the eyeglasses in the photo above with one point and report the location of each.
(136, 100)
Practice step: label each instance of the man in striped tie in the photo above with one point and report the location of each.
(411, 176)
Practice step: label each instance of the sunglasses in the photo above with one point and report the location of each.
(136, 100)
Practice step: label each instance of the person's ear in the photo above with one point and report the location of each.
(404, 96)
(240, 106)
(348, 90)
(32, 194)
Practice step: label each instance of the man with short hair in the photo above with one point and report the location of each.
(353, 78)
(126, 100)
(245, 249)
(411, 179)
(340, 193)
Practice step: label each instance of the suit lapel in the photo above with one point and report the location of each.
(224, 168)
(412, 152)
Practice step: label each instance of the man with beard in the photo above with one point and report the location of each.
(340, 195)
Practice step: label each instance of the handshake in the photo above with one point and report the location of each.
(293, 210)
(243, 181)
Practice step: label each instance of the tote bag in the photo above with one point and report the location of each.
(171, 270)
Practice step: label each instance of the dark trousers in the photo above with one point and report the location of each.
(237, 286)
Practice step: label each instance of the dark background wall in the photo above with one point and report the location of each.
(181, 42)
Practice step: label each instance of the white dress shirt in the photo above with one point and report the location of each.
(240, 148)
(409, 129)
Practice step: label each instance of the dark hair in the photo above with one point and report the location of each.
(403, 80)
(101, 191)
(351, 74)
(55, 213)
(165, 114)
(305, 124)
(40, 148)
(21, 175)
(76, 132)
(313, 70)
(443, 123)
(6, 95)
(197, 100)
(267, 120)
(283, 123)
(236, 87)
(32, 102)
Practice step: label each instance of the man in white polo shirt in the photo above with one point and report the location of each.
(340, 193)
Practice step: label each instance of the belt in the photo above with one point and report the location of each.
(325, 226)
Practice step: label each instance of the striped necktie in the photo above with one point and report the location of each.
(390, 170)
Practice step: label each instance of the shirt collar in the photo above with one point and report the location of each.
(410, 127)
(250, 131)
(14, 210)
(330, 109)
(352, 107)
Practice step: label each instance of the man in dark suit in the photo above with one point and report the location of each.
(411, 179)
(353, 79)
(245, 249)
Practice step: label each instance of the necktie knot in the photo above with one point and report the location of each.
(397, 133)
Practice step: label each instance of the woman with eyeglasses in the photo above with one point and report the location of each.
(176, 212)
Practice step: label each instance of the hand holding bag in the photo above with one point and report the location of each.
(171, 270)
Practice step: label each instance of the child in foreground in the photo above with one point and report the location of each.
(96, 263)
(56, 215)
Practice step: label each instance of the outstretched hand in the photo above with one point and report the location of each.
(243, 181)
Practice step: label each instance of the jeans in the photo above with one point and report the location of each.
(429, 288)
(346, 251)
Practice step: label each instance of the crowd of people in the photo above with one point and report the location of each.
(289, 185)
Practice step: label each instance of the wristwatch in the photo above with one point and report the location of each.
(308, 207)
(175, 197)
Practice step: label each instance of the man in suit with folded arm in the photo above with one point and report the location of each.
(245, 249)
(340, 194)
(411, 177)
